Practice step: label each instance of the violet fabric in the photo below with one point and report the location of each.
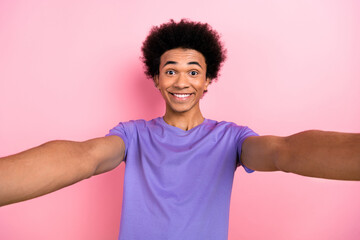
(178, 183)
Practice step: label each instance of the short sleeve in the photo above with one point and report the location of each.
(242, 134)
(122, 131)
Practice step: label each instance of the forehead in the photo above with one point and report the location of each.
(182, 55)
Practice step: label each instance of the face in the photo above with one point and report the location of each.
(182, 79)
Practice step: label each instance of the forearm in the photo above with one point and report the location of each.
(331, 155)
(42, 170)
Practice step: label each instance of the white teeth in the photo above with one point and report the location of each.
(181, 95)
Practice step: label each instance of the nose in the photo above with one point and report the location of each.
(181, 81)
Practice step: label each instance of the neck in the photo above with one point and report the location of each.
(184, 120)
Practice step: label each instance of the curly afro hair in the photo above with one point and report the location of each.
(184, 34)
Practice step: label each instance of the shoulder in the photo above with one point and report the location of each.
(220, 124)
(232, 127)
(131, 126)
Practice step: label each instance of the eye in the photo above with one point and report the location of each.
(193, 73)
(170, 72)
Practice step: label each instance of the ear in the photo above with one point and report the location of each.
(208, 80)
(156, 81)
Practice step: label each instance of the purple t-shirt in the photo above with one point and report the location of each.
(178, 183)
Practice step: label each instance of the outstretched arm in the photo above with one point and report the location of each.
(331, 155)
(55, 165)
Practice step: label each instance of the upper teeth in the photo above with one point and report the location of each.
(182, 95)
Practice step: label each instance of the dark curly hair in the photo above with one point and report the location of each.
(184, 34)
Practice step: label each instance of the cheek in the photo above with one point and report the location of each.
(163, 90)
(200, 84)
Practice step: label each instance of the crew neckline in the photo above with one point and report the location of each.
(162, 121)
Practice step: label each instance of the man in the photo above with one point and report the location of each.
(179, 167)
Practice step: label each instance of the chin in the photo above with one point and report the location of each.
(180, 109)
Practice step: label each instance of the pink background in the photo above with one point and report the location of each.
(71, 70)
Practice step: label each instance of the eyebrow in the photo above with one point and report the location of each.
(189, 63)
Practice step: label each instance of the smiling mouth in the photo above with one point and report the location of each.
(181, 96)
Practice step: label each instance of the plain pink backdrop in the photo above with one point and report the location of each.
(71, 70)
